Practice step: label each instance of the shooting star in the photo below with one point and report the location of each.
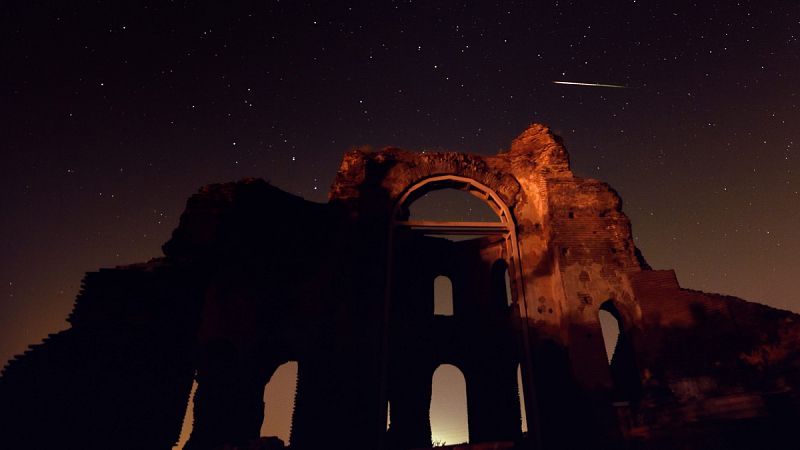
(575, 83)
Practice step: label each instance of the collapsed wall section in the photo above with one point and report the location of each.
(713, 359)
(125, 365)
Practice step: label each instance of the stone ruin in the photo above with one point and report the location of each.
(254, 277)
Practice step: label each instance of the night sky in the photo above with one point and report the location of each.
(111, 116)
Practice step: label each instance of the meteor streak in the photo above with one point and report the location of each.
(575, 83)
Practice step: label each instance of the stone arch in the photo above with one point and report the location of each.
(506, 225)
(511, 259)
(469, 185)
(625, 313)
(453, 427)
(626, 384)
(405, 169)
(492, 198)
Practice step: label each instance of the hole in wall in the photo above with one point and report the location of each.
(448, 410)
(507, 281)
(442, 296)
(451, 205)
(388, 415)
(610, 327)
(188, 420)
(279, 398)
(501, 284)
(621, 359)
(521, 392)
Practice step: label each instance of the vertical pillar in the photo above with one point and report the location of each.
(410, 398)
(493, 402)
(228, 403)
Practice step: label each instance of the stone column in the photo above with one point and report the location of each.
(228, 403)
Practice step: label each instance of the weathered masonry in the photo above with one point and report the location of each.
(254, 277)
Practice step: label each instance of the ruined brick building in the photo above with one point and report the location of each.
(254, 277)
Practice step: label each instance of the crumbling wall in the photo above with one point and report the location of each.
(709, 358)
(124, 365)
(290, 280)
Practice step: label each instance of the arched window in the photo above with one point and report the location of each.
(452, 206)
(448, 411)
(279, 396)
(449, 205)
(442, 296)
(624, 373)
(610, 327)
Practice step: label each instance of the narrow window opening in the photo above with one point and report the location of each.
(507, 281)
(501, 284)
(279, 397)
(621, 359)
(448, 410)
(521, 391)
(610, 326)
(188, 420)
(442, 296)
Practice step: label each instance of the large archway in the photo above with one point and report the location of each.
(417, 255)
(472, 187)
